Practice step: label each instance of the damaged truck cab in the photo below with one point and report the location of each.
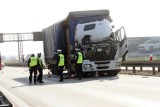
(91, 32)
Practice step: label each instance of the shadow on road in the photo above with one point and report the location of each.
(54, 80)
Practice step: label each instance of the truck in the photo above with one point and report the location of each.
(92, 32)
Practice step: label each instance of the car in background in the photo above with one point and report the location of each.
(149, 46)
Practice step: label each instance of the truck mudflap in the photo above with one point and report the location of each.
(4, 102)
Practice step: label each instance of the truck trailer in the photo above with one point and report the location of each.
(90, 31)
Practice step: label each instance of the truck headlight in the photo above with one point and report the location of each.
(87, 66)
(117, 64)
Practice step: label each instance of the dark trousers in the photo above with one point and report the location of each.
(79, 71)
(40, 76)
(31, 71)
(60, 71)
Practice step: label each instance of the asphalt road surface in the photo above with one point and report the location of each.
(117, 91)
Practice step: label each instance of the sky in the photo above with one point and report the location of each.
(139, 17)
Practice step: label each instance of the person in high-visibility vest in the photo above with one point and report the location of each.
(79, 61)
(60, 62)
(32, 64)
(40, 68)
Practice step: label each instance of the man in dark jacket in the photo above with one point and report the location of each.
(40, 68)
(32, 64)
(60, 62)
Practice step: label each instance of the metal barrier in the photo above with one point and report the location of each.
(4, 102)
(141, 64)
(16, 64)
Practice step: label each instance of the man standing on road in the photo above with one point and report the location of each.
(32, 64)
(79, 61)
(60, 62)
(40, 69)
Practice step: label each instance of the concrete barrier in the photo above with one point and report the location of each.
(4, 102)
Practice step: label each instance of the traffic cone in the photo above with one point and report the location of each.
(150, 58)
(49, 74)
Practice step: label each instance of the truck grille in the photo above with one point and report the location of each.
(102, 64)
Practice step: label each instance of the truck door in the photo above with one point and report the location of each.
(122, 38)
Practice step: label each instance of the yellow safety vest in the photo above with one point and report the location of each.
(61, 60)
(33, 61)
(80, 58)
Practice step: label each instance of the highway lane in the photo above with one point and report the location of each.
(118, 91)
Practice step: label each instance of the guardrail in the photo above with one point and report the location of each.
(16, 64)
(141, 64)
(4, 102)
(126, 64)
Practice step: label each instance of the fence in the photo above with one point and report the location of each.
(141, 65)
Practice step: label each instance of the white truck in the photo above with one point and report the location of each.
(91, 32)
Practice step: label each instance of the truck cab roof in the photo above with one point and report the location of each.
(88, 13)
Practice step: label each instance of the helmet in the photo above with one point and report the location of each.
(77, 50)
(59, 50)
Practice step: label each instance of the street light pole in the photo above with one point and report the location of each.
(18, 48)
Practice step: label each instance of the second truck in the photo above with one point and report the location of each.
(90, 31)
